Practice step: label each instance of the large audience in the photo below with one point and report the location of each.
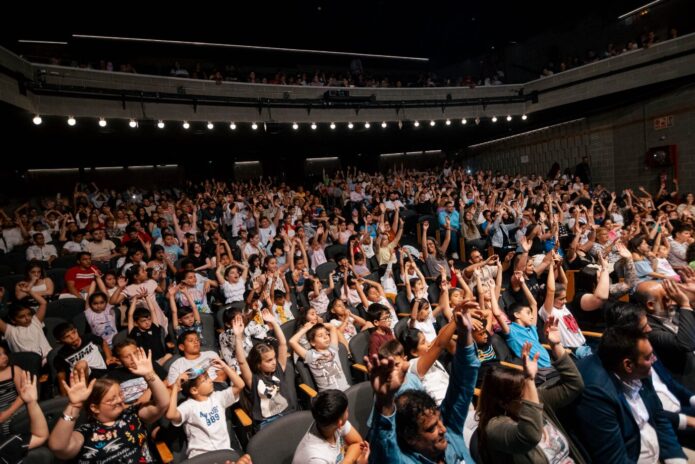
(496, 317)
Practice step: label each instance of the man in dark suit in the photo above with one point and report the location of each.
(620, 418)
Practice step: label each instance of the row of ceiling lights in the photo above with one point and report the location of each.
(133, 123)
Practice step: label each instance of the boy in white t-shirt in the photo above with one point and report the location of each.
(232, 282)
(24, 332)
(331, 437)
(555, 299)
(203, 414)
(193, 358)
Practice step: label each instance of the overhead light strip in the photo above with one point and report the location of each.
(45, 171)
(46, 42)
(249, 47)
(511, 137)
(330, 158)
(637, 10)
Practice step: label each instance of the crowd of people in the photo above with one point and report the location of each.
(645, 40)
(507, 318)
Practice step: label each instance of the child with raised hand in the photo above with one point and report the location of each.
(203, 413)
(24, 332)
(346, 321)
(264, 372)
(99, 314)
(227, 338)
(145, 332)
(184, 318)
(318, 296)
(555, 305)
(323, 357)
(15, 447)
(232, 282)
(416, 287)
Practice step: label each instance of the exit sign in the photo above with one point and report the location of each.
(663, 122)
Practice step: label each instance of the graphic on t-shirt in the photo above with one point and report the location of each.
(272, 402)
(89, 353)
(325, 369)
(125, 441)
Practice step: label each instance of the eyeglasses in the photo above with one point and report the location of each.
(385, 319)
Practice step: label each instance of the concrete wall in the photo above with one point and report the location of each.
(615, 141)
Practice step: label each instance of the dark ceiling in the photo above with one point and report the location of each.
(444, 31)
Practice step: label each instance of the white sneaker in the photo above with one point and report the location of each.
(455, 255)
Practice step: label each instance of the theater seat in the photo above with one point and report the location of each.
(214, 457)
(276, 443)
(360, 401)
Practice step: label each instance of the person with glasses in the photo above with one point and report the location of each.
(113, 433)
(381, 318)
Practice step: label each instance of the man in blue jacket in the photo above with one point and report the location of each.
(410, 429)
(619, 415)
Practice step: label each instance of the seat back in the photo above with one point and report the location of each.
(209, 335)
(359, 346)
(288, 329)
(360, 402)
(214, 457)
(333, 251)
(28, 361)
(400, 328)
(277, 442)
(120, 336)
(323, 270)
(49, 324)
(57, 275)
(52, 409)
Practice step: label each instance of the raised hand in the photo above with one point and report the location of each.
(524, 244)
(122, 282)
(675, 293)
(238, 325)
(623, 251)
(552, 331)
(143, 363)
(78, 391)
(530, 363)
(267, 316)
(386, 378)
(27, 391)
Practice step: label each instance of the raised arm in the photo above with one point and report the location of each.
(294, 341)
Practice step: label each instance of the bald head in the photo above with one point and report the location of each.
(652, 296)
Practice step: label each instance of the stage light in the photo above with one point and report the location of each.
(133, 123)
(509, 118)
(295, 126)
(102, 122)
(254, 126)
(494, 119)
(71, 121)
(464, 121)
(211, 126)
(447, 122)
(477, 121)
(383, 124)
(185, 125)
(350, 125)
(232, 126)
(367, 125)
(416, 124)
(160, 124)
(37, 120)
(332, 126)
(524, 117)
(313, 126)
(432, 123)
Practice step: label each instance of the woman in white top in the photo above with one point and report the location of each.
(36, 280)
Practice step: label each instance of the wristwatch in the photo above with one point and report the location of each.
(67, 418)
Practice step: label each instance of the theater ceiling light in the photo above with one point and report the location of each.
(37, 120)
(72, 121)
(102, 122)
